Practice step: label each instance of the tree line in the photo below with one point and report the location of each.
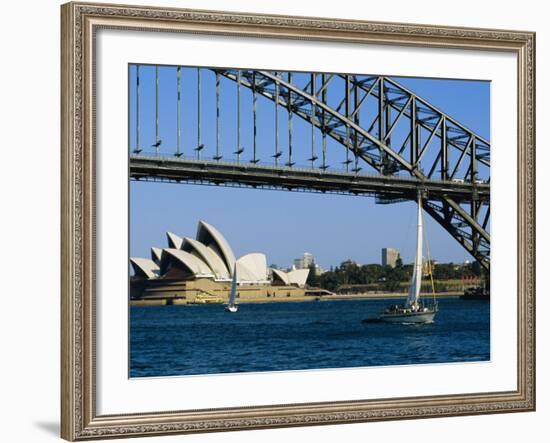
(387, 277)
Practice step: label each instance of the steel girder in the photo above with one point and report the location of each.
(404, 134)
(392, 188)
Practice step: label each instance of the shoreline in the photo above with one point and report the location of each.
(309, 298)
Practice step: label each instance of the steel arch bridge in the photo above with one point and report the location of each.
(394, 143)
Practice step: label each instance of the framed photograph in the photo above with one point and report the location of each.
(277, 221)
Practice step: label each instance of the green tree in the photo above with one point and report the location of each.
(446, 271)
(476, 268)
(328, 281)
(399, 262)
(391, 283)
(373, 273)
(312, 278)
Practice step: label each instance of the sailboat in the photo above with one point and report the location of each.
(232, 307)
(414, 310)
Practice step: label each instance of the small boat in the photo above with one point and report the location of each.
(401, 314)
(414, 310)
(476, 293)
(232, 306)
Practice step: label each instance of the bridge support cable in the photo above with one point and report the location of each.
(290, 163)
(278, 153)
(138, 149)
(178, 113)
(347, 114)
(239, 150)
(254, 119)
(200, 145)
(381, 126)
(158, 141)
(356, 118)
(324, 166)
(314, 117)
(218, 155)
(388, 166)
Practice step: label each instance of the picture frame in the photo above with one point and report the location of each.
(80, 24)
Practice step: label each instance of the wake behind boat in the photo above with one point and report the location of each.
(232, 306)
(414, 310)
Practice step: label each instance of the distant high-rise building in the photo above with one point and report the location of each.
(389, 257)
(305, 261)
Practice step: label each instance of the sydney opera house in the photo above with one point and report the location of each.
(200, 270)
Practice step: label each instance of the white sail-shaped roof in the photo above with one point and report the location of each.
(156, 255)
(209, 256)
(298, 277)
(252, 268)
(211, 237)
(280, 275)
(144, 267)
(174, 241)
(192, 263)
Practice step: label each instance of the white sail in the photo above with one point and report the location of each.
(233, 292)
(416, 280)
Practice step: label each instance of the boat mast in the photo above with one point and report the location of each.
(416, 280)
(233, 292)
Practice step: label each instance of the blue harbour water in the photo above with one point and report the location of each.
(203, 339)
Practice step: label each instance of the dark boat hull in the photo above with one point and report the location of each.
(409, 317)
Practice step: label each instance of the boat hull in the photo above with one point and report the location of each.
(409, 317)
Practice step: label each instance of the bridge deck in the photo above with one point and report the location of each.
(217, 172)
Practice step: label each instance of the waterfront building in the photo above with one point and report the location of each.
(389, 257)
(201, 269)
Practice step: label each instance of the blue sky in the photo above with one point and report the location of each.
(278, 223)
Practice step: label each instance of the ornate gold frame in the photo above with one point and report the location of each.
(79, 420)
